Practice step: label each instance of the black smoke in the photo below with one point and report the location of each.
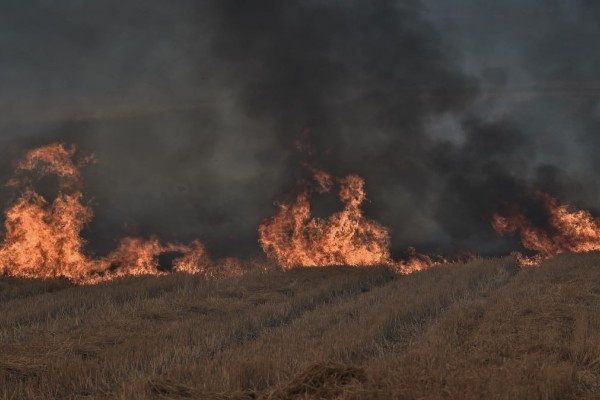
(194, 109)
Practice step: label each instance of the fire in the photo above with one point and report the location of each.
(294, 238)
(55, 159)
(43, 239)
(419, 262)
(137, 256)
(566, 230)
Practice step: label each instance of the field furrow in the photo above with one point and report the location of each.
(485, 328)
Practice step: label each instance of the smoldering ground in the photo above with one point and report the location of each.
(193, 110)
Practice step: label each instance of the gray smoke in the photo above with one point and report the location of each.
(450, 110)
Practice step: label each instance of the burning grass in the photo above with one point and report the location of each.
(271, 330)
(566, 230)
(294, 238)
(485, 329)
(42, 237)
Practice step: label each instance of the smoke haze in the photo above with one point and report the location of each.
(450, 110)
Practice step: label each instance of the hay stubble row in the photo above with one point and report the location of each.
(459, 331)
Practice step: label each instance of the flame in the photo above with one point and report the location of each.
(138, 256)
(43, 239)
(293, 237)
(419, 262)
(566, 230)
(55, 159)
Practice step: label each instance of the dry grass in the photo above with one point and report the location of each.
(481, 330)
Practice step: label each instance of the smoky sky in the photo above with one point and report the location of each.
(451, 110)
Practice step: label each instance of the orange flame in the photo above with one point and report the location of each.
(43, 239)
(137, 256)
(566, 230)
(55, 159)
(293, 238)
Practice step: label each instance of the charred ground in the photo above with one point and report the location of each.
(482, 329)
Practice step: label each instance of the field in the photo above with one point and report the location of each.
(485, 330)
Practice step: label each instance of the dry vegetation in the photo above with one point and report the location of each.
(481, 330)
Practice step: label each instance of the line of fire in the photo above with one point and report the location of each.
(43, 237)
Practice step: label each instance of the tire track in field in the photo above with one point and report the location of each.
(409, 325)
(352, 328)
(269, 306)
(188, 325)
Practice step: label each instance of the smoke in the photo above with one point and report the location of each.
(538, 110)
(193, 109)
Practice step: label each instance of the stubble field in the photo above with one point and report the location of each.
(485, 329)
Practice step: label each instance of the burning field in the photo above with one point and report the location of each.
(481, 329)
(326, 312)
(43, 237)
(299, 199)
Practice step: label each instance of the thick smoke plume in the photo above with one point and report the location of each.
(201, 114)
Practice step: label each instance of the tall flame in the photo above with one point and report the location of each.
(43, 239)
(565, 230)
(294, 238)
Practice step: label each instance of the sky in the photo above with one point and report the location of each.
(451, 110)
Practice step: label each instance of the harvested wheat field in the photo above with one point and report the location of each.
(485, 329)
